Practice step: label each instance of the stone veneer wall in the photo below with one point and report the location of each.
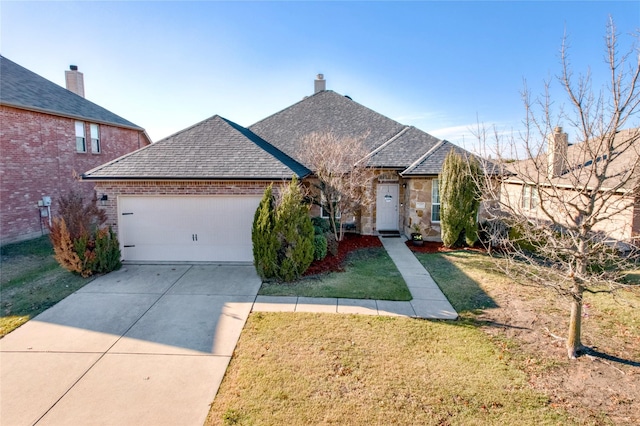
(419, 191)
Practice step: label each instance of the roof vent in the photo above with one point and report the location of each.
(320, 85)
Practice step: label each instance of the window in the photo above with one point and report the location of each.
(324, 213)
(95, 138)
(435, 201)
(81, 145)
(529, 197)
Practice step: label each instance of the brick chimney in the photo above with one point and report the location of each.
(75, 80)
(557, 145)
(320, 84)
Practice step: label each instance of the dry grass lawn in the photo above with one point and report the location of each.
(292, 368)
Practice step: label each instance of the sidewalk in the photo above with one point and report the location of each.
(428, 301)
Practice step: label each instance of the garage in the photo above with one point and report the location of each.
(214, 228)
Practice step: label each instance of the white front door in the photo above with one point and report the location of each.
(387, 207)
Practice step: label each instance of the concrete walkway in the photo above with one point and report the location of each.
(145, 345)
(428, 301)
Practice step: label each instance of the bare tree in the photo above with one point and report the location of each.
(568, 207)
(343, 178)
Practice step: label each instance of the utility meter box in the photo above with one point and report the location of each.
(46, 201)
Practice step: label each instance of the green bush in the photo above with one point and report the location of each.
(459, 200)
(321, 225)
(319, 247)
(294, 231)
(107, 251)
(265, 243)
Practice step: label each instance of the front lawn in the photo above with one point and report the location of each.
(31, 281)
(302, 369)
(369, 273)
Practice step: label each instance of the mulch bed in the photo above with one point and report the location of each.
(437, 247)
(350, 243)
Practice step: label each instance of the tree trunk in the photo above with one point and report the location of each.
(574, 344)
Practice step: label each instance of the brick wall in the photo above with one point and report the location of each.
(38, 158)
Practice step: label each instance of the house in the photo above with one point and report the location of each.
(560, 180)
(192, 195)
(48, 136)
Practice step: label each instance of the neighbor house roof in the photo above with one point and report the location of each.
(213, 149)
(584, 162)
(24, 89)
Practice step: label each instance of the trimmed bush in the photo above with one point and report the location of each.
(319, 247)
(265, 243)
(294, 232)
(459, 200)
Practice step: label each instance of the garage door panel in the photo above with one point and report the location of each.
(206, 228)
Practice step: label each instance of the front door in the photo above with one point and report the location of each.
(387, 207)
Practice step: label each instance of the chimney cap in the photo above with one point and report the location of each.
(320, 76)
(73, 67)
(558, 129)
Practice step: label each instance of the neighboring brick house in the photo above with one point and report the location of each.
(49, 135)
(192, 195)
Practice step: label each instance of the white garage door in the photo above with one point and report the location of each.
(198, 228)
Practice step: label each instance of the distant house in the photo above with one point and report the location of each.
(567, 172)
(49, 135)
(192, 195)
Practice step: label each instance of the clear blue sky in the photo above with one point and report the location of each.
(437, 65)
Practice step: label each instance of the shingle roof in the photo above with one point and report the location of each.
(324, 112)
(402, 150)
(431, 162)
(584, 164)
(25, 89)
(215, 148)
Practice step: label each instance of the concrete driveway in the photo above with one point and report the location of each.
(145, 345)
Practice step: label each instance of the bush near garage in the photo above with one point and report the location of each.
(283, 235)
(80, 241)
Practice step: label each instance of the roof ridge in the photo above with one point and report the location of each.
(292, 105)
(423, 157)
(385, 144)
(269, 148)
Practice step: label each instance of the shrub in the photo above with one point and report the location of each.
(79, 244)
(459, 200)
(321, 225)
(294, 232)
(319, 247)
(332, 243)
(265, 243)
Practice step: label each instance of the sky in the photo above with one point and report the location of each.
(443, 67)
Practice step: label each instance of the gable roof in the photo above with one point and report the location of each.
(24, 89)
(324, 112)
(431, 162)
(403, 149)
(213, 149)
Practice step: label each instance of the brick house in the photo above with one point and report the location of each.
(192, 195)
(49, 135)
